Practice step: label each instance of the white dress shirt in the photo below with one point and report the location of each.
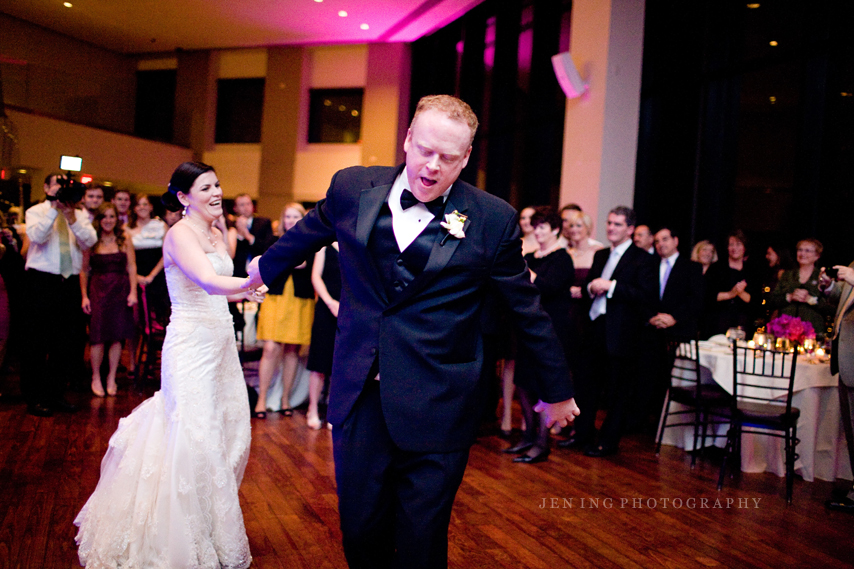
(407, 223)
(662, 269)
(43, 254)
(600, 302)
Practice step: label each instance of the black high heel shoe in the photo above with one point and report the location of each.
(519, 448)
(541, 456)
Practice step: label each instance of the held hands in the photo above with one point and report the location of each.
(599, 286)
(662, 320)
(563, 413)
(254, 279)
(800, 295)
(256, 294)
(575, 291)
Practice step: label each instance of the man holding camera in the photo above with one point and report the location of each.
(58, 233)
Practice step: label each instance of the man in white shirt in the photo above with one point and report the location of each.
(622, 286)
(58, 233)
(92, 200)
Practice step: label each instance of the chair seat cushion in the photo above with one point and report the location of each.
(710, 396)
(764, 414)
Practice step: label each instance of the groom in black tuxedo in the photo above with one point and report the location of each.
(418, 249)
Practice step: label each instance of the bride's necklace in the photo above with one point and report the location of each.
(209, 234)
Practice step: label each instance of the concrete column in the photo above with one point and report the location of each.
(195, 101)
(601, 127)
(385, 106)
(280, 128)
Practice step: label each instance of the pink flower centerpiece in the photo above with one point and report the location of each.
(791, 328)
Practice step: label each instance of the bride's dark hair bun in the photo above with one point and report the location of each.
(182, 180)
(170, 202)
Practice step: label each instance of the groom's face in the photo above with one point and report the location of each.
(437, 149)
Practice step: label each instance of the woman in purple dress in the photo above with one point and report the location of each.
(108, 286)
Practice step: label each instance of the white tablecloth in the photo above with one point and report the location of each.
(822, 448)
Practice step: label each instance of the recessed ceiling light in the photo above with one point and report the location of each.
(772, 100)
(67, 4)
(772, 43)
(365, 26)
(342, 13)
(753, 6)
(318, 1)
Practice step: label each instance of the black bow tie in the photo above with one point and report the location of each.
(407, 200)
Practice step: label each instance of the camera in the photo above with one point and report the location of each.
(70, 190)
(831, 272)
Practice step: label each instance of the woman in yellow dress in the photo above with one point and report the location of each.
(284, 323)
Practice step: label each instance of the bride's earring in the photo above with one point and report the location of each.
(186, 207)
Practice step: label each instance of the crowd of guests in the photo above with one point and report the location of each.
(96, 268)
(617, 307)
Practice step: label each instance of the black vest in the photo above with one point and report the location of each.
(397, 268)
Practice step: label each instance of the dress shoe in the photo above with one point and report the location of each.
(841, 505)
(519, 448)
(39, 410)
(541, 456)
(571, 442)
(600, 451)
(64, 406)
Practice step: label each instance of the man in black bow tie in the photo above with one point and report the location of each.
(418, 248)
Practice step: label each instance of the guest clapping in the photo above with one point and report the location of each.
(108, 287)
(798, 294)
(732, 286)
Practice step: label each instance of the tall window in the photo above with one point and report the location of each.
(335, 115)
(239, 108)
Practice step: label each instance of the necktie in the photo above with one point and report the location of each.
(667, 268)
(600, 306)
(64, 247)
(408, 199)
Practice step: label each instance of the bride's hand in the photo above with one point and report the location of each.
(257, 294)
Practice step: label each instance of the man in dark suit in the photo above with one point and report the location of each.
(418, 248)
(252, 235)
(675, 315)
(622, 286)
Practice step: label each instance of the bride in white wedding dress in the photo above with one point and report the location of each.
(167, 496)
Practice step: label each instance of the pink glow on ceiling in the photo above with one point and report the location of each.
(145, 26)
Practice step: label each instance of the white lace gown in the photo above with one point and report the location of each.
(167, 496)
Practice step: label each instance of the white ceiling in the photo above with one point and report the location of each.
(146, 26)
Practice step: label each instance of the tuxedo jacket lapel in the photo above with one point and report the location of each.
(440, 254)
(371, 201)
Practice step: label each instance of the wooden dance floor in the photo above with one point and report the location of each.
(630, 510)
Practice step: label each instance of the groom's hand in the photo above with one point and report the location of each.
(254, 272)
(562, 413)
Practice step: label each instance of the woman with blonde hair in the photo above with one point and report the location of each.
(704, 252)
(284, 323)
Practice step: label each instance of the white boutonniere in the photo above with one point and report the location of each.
(454, 223)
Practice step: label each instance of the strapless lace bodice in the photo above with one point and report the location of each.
(190, 302)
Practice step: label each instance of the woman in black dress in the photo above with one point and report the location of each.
(326, 278)
(733, 289)
(108, 287)
(552, 272)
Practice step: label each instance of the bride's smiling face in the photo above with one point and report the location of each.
(205, 196)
